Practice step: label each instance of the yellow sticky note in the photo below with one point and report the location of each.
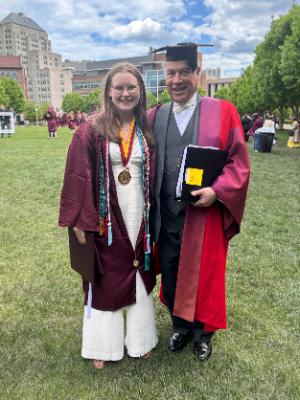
(193, 176)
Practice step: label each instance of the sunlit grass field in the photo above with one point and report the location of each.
(41, 300)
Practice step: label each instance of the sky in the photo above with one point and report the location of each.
(108, 29)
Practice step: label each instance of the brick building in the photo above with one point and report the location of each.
(11, 67)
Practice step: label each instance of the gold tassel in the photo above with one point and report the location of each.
(102, 226)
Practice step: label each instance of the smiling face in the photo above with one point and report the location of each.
(124, 92)
(181, 82)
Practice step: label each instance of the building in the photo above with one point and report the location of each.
(214, 84)
(91, 77)
(213, 73)
(11, 67)
(47, 80)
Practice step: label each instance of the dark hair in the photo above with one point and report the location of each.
(107, 123)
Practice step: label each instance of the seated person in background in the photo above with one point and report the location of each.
(294, 137)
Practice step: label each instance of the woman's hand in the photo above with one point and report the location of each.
(80, 235)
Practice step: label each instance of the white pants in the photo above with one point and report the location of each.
(103, 333)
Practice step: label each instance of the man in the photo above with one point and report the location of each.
(193, 238)
(246, 124)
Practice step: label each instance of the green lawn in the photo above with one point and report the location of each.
(41, 297)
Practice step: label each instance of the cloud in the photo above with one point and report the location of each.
(243, 46)
(226, 62)
(162, 10)
(103, 29)
(237, 26)
(137, 30)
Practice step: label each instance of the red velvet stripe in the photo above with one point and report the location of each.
(211, 306)
(188, 271)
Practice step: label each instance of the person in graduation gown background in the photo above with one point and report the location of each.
(193, 238)
(106, 195)
(52, 121)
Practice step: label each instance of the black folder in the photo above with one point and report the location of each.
(200, 166)
(83, 257)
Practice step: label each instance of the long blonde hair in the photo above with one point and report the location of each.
(107, 123)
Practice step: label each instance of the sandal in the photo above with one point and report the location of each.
(146, 355)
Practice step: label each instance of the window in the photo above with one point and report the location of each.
(9, 74)
(86, 85)
(155, 81)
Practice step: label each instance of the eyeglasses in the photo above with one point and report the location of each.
(131, 89)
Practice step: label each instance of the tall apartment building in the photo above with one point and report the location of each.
(47, 80)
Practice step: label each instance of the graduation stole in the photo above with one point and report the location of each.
(126, 145)
(104, 193)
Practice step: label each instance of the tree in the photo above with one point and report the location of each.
(242, 94)
(30, 111)
(268, 81)
(223, 93)
(151, 99)
(290, 62)
(92, 101)
(164, 97)
(3, 97)
(42, 108)
(73, 102)
(13, 93)
(201, 91)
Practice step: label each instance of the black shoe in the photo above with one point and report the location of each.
(202, 349)
(178, 341)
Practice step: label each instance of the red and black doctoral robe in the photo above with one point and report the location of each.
(200, 287)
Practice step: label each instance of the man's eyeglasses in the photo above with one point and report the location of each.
(131, 89)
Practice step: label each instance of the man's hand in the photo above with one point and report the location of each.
(207, 197)
(80, 235)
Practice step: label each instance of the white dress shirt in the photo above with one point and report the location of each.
(184, 112)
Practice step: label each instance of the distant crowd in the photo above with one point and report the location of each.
(71, 120)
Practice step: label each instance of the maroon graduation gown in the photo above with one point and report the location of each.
(115, 285)
(51, 119)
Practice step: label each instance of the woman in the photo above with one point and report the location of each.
(51, 118)
(256, 123)
(71, 121)
(294, 138)
(106, 191)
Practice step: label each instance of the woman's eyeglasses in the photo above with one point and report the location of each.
(131, 89)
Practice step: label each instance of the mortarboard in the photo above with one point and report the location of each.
(183, 51)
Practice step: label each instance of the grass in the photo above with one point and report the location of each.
(257, 357)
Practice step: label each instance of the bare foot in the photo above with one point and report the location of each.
(98, 364)
(146, 356)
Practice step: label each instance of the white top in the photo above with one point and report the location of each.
(130, 196)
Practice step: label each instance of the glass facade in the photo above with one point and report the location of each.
(155, 81)
(86, 85)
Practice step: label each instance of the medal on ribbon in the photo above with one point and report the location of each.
(124, 176)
